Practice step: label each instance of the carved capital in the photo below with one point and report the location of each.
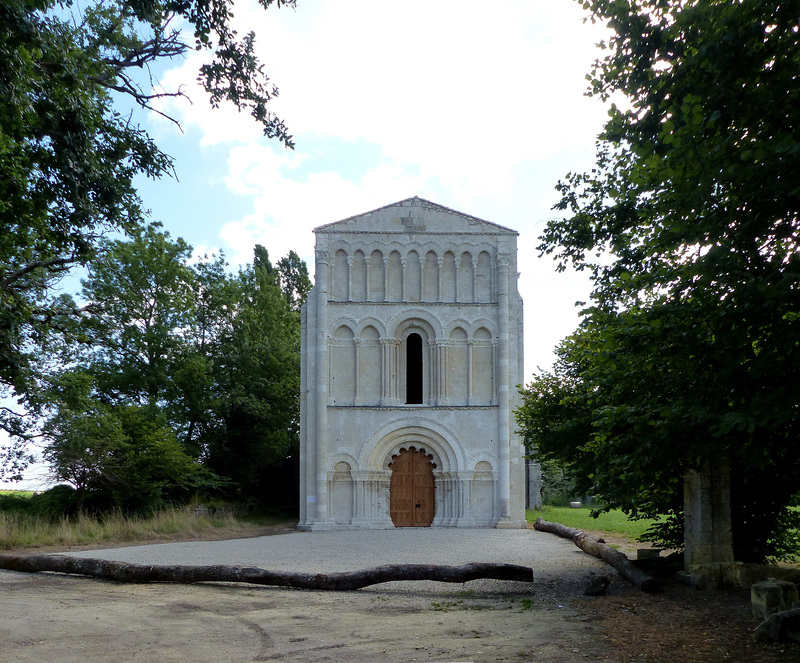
(503, 259)
(323, 257)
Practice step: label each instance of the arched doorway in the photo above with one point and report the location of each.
(411, 489)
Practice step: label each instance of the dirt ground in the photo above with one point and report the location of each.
(49, 617)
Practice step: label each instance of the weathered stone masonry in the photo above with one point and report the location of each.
(412, 344)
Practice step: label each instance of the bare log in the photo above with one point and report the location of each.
(556, 528)
(349, 580)
(601, 550)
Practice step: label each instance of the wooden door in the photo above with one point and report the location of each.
(411, 489)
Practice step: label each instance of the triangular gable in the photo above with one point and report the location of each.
(412, 216)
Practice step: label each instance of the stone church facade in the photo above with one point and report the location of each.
(411, 353)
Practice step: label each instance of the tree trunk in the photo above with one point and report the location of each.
(599, 549)
(349, 580)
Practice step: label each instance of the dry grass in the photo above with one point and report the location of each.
(23, 532)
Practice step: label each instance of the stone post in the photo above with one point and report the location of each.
(708, 554)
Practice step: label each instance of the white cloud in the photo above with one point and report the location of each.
(286, 210)
(458, 97)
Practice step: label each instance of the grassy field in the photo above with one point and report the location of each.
(19, 531)
(613, 521)
(18, 493)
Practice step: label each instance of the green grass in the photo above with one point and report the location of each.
(18, 493)
(612, 521)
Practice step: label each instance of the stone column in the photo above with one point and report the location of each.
(503, 387)
(421, 278)
(385, 279)
(367, 269)
(349, 278)
(433, 373)
(439, 262)
(389, 391)
(467, 518)
(306, 450)
(358, 342)
(404, 293)
(474, 280)
(458, 267)
(443, 394)
(470, 370)
(360, 493)
(494, 372)
(321, 387)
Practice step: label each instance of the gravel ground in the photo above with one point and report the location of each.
(559, 567)
(325, 552)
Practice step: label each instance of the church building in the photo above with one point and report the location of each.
(411, 357)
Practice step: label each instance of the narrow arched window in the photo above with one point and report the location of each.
(414, 369)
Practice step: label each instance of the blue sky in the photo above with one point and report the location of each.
(477, 106)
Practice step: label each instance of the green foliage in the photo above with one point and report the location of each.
(255, 423)
(141, 300)
(688, 353)
(69, 152)
(194, 370)
(125, 455)
(558, 486)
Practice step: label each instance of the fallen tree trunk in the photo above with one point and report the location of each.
(125, 572)
(556, 528)
(599, 549)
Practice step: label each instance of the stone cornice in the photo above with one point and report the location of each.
(413, 408)
(415, 303)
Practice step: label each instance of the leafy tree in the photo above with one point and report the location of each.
(294, 279)
(141, 292)
(84, 447)
(127, 454)
(688, 224)
(69, 151)
(257, 376)
(211, 356)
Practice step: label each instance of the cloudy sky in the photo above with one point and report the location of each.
(479, 107)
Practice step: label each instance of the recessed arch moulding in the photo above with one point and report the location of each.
(412, 340)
